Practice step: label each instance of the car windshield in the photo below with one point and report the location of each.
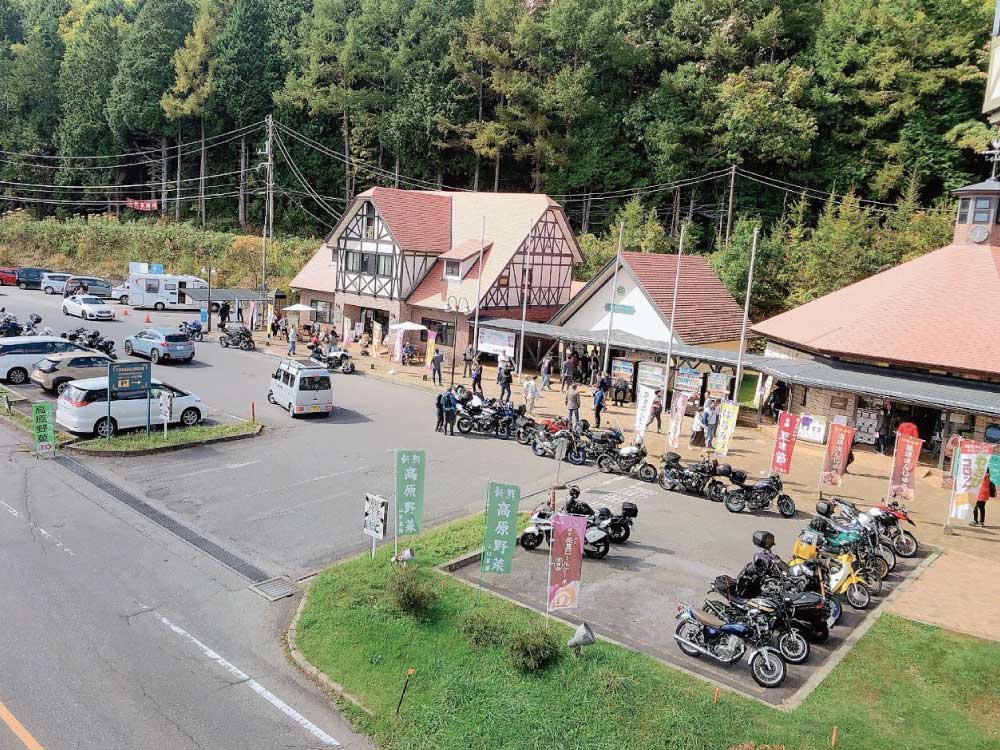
(90, 301)
(315, 383)
(178, 337)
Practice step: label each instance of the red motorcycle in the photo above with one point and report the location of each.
(527, 429)
(888, 517)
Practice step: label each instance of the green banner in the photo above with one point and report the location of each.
(45, 435)
(501, 527)
(409, 491)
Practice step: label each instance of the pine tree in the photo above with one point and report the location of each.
(248, 67)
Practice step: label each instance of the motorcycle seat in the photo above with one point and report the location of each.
(803, 599)
(708, 620)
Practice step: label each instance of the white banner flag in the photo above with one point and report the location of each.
(643, 409)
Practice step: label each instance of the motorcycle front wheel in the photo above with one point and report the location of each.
(530, 541)
(870, 576)
(689, 631)
(794, 647)
(247, 346)
(538, 449)
(905, 544)
(665, 482)
(465, 425)
(347, 368)
(524, 436)
(577, 456)
(836, 610)
(786, 506)
(887, 554)
(647, 473)
(715, 492)
(767, 670)
(503, 431)
(604, 463)
(600, 549)
(223, 341)
(734, 501)
(858, 596)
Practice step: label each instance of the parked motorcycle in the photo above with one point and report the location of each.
(630, 461)
(596, 444)
(546, 445)
(95, 340)
(192, 330)
(759, 496)
(11, 326)
(237, 336)
(695, 478)
(835, 571)
(618, 525)
(337, 360)
(887, 517)
(791, 641)
(596, 540)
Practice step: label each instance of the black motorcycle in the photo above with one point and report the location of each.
(618, 525)
(96, 340)
(630, 461)
(237, 337)
(596, 444)
(490, 418)
(76, 336)
(547, 444)
(696, 478)
(758, 496)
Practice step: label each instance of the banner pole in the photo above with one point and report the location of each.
(548, 574)
(956, 460)
(395, 507)
(482, 559)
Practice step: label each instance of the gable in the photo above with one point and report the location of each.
(634, 312)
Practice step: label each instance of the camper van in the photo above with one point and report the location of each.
(162, 291)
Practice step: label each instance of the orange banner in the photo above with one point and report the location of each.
(838, 446)
(902, 483)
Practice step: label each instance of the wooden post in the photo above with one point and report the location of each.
(833, 738)
(243, 178)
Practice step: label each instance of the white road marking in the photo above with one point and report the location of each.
(215, 468)
(32, 525)
(263, 692)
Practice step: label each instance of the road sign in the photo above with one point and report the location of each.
(45, 435)
(128, 376)
(376, 514)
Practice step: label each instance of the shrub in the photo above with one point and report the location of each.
(533, 649)
(483, 630)
(413, 592)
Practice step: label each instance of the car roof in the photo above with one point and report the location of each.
(32, 339)
(84, 295)
(56, 273)
(299, 364)
(69, 355)
(97, 384)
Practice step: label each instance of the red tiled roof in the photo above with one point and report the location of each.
(706, 311)
(419, 220)
(938, 310)
(465, 250)
(535, 313)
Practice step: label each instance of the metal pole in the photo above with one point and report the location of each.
(454, 347)
(209, 298)
(614, 290)
(526, 290)
(148, 415)
(746, 316)
(732, 194)
(673, 305)
(479, 284)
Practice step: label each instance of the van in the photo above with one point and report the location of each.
(301, 388)
(54, 283)
(30, 278)
(95, 286)
(19, 354)
(83, 408)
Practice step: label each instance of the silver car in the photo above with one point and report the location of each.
(95, 286)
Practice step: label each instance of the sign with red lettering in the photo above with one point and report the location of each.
(902, 483)
(153, 205)
(566, 560)
(784, 442)
(838, 447)
(971, 463)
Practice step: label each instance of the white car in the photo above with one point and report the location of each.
(19, 354)
(120, 293)
(82, 407)
(87, 307)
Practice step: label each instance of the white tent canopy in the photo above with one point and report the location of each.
(407, 326)
(297, 308)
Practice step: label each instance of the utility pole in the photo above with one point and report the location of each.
(673, 305)
(268, 230)
(746, 315)
(243, 182)
(201, 175)
(732, 194)
(525, 292)
(177, 205)
(479, 285)
(614, 292)
(163, 175)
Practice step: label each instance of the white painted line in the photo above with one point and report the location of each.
(263, 692)
(32, 525)
(215, 468)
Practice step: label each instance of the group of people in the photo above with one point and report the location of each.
(706, 420)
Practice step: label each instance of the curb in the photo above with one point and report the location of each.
(163, 449)
(330, 687)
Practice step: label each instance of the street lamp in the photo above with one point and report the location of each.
(456, 305)
(208, 272)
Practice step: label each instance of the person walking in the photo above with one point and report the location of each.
(566, 375)
(293, 336)
(275, 324)
(595, 368)
(598, 406)
(501, 364)
(882, 429)
(239, 313)
(283, 327)
(224, 313)
(656, 413)
(439, 406)
(436, 361)
(450, 405)
(505, 378)
(573, 405)
(621, 390)
(546, 371)
(697, 439)
(711, 419)
(986, 490)
(530, 392)
(467, 356)
(604, 383)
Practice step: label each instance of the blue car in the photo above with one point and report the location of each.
(160, 345)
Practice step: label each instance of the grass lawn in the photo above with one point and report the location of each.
(138, 440)
(903, 686)
(23, 420)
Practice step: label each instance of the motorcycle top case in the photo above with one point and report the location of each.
(630, 510)
(763, 539)
(672, 458)
(724, 470)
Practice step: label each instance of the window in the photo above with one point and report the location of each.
(170, 286)
(503, 279)
(452, 269)
(321, 311)
(445, 331)
(286, 377)
(129, 396)
(352, 261)
(314, 383)
(983, 211)
(369, 221)
(152, 286)
(384, 265)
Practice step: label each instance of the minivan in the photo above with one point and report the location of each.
(30, 278)
(19, 354)
(54, 283)
(301, 388)
(95, 286)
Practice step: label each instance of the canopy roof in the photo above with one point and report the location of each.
(227, 295)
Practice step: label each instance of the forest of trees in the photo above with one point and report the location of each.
(595, 102)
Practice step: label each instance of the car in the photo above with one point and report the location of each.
(301, 388)
(8, 276)
(95, 287)
(87, 307)
(56, 371)
(160, 345)
(82, 407)
(30, 278)
(18, 354)
(120, 293)
(53, 283)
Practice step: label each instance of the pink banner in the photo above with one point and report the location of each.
(678, 405)
(784, 442)
(838, 447)
(566, 560)
(136, 205)
(902, 483)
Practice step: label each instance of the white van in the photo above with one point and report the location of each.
(301, 388)
(18, 354)
(161, 291)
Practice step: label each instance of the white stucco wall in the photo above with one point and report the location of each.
(645, 321)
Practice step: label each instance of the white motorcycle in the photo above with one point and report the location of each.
(596, 542)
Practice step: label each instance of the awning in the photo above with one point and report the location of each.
(226, 295)
(950, 394)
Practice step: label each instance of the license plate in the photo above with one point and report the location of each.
(313, 408)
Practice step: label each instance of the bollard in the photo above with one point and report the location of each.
(716, 698)
(253, 413)
(833, 738)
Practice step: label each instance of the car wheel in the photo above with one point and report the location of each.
(65, 311)
(49, 290)
(123, 300)
(190, 417)
(105, 428)
(61, 386)
(270, 397)
(154, 356)
(17, 376)
(22, 286)
(128, 348)
(159, 307)
(291, 410)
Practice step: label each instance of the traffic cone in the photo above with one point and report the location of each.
(148, 319)
(125, 311)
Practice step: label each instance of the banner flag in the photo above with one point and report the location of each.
(902, 483)
(784, 442)
(838, 447)
(972, 460)
(643, 409)
(431, 338)
(136, 205)
(566, 560)
(678, 406)
(500, 538)
(726, 428)
(409, 491)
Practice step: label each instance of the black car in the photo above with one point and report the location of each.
(30, 278)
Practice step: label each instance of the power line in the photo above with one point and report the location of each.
(830, 197)
(631, 192)
(302, 180)
(803, 189)
(111, 186)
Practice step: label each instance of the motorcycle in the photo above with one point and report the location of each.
(76, 336)
(630, 460)
(546, 445)
(240, 337)
(336, 360)
(836, 572)
(759, 496)
(10, 326)
(702, 633)
(596, 541)
(95, 340)
(192, 330)
(596, 444)
(885, 520)
(618, 525)
(696, 478)
(792, 644)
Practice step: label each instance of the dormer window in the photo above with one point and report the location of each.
(453, 270)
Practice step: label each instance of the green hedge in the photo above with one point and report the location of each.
(104, 247)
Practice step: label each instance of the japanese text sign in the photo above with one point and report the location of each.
(784, 442)
(971, 463)
(500, 538)
(429, 354)
(838, 447)
(902, 483)
(566, 560)
(643, 409)
(678, 405)
(128, 376)
(726, 428)
(45, 436)
(410, 467)
(376, 513)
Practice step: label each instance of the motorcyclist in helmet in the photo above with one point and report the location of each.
(576, 507)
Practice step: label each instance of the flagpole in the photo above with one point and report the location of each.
(614, 289)
(746, 317)
(673, 306)
(524, 307)
(479, 286)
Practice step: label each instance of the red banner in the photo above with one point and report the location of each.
(784, 442)
(838, 446)
(902, 482)
(566, 560)
(153, 205)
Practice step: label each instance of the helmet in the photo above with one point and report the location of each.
(584, 425)
(638, 442)
(763, 539)
(823, 508)
(574, 492)
(817, 524)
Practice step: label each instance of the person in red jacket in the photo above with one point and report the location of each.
(986, 490)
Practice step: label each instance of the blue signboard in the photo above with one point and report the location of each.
(620, 309)
(204, 316)
(156, 268)
(128, 376)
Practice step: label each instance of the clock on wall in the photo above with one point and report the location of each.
(978, 233)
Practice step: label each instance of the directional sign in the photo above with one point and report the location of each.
(128, 376)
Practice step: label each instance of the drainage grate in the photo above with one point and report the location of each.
(275, 588)
(210, 548)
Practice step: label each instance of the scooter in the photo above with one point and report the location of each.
(596, 542)
(837, 571)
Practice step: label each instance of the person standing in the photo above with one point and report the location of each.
(530, 392)
(711, 419)
(566, 376)
(882, 429)
(621, 390)
(477, 377)
(292, 338)
(595, 368)
(573, 405)
(656, 412)
(546, 371)
(239, 313)
(505, 379)
(598, 406)
(224, 313)
(467, 356)
(439, 405)
(450, 405)
(986, 490)
(436, 361)
(501, 364)
(604, 383)
(275, 324)
(697, 438)
(283, 327)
